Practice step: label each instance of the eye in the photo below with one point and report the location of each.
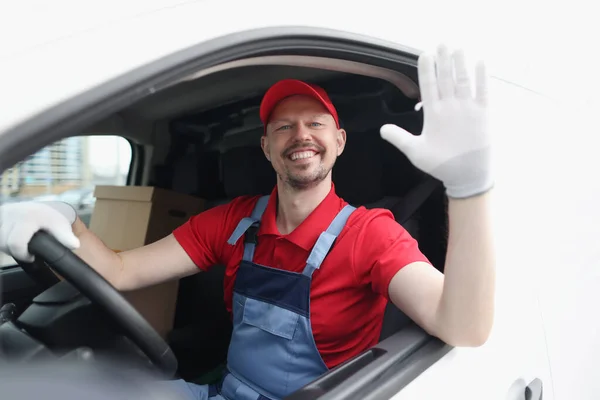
(316, 124)
(283, 127)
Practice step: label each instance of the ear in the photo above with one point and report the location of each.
(264, 144)
(341, 141)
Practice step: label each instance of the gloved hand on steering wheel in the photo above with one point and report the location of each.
(20, 221)
(455, 144)
(20, 224)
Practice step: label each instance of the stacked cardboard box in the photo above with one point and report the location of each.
(127, 217)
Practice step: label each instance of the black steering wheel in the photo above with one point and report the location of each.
(92, 285)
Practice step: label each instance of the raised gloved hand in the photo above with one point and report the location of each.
(454, 146)
(20, 221)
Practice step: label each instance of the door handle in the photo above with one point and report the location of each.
(534, 391)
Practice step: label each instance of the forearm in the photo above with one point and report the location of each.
(134, 269)
(96, 254)
(466, 309)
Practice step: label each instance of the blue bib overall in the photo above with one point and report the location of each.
(272, 351)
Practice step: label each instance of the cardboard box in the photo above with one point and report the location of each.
(128, 217)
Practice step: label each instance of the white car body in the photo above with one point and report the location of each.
(548, 265)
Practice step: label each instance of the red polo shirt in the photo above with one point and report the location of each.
(350, 290)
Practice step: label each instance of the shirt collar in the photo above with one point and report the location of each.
(307, 233)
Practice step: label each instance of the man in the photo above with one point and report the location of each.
(307, 275)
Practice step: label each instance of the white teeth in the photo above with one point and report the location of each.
(302, 154)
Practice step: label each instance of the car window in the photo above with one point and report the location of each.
(67, 170)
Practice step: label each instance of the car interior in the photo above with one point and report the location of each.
(202, 137)
(370, 173)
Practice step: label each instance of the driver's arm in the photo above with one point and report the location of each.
(195, 246)
(154, 263)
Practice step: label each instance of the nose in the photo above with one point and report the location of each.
(301, 133)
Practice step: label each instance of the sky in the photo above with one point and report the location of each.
(109, 153)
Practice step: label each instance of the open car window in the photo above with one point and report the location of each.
(404, 351)
(67, 170)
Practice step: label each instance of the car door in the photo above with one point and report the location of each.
(565, 245)
(514, 363)
(408, 365)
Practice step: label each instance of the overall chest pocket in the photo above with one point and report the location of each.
(270, 318)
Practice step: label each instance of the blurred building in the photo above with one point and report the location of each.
(58, 167)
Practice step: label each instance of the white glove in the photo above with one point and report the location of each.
(455, 145)
(20, 221)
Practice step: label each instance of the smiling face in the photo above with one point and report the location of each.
(302, 142)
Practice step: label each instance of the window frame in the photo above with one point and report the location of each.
(379, 372)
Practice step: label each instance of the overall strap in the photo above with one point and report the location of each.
(252, 221)
(326, 239)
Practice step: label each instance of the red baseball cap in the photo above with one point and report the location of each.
(291, 87)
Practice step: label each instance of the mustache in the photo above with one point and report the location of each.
(303, 146)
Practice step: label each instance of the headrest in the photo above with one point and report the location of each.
(185, 174)
(370, 167)
(399, 174)
(246, 171)
(358, 172)
(198, 175)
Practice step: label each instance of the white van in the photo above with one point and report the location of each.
(174, 86)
